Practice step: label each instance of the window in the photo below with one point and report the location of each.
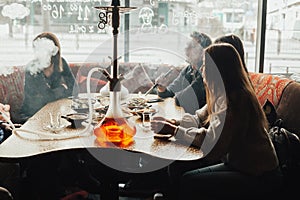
(283, 38)
(158, 29)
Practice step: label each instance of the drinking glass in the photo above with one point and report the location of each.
(146, 119)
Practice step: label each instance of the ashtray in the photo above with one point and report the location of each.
(54, 129)
(75, 119)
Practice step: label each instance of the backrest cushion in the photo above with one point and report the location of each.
(12, 89)
(270, 112)
(268, 86)
(138, 77)
(289, 108)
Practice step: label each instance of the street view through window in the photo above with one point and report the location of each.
(154, 31)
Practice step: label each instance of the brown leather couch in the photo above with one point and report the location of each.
(284, 93)
(139, 77)
(288, 108)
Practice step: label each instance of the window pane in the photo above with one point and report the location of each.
(213, 17)
(283, 38)
(155, 24)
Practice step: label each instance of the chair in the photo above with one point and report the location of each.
(5, 194)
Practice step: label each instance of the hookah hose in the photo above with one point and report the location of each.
(6, 118)
(156, 84)
(52, 136)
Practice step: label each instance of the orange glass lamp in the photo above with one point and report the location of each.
(114, 128)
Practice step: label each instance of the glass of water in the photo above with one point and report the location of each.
(146, 119)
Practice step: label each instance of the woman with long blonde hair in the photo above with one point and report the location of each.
(232, 128)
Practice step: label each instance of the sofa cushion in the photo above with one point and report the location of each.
(81, 71)
(270, 112)
(289, 108)
(137, 80)
(268, 86)
(139, 77)
(12, 90)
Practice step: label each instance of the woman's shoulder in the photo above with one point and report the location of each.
(186, 71)
(64, 61)
(66, 66)
(188, 68)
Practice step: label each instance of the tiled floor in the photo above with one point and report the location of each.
(132, 198)
(140, 194)
(136, 198)
(97, 197)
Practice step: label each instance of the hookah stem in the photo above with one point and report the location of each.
(115, 25)
(114, 83)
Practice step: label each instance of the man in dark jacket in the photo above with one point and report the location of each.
(188, 88)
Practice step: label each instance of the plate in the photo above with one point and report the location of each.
(137, 103)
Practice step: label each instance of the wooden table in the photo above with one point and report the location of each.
(16, 147)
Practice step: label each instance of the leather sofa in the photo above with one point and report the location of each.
(284, 93)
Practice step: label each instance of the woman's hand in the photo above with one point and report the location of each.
(162, 128)
(159, 118)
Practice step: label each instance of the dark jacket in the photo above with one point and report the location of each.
(40, 90)
(188, 89)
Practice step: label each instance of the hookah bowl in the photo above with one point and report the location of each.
(114, 128)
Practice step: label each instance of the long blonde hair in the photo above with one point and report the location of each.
(223, 59)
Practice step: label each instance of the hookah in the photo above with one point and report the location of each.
(114, 128)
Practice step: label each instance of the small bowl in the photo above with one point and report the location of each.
(81, 105)
(75, 119)
(81, 110)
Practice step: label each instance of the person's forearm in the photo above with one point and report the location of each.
(193, 136)
(61, 92)
(165, 94)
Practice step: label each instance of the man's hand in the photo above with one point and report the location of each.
(5, 110)
(162, 80)
(7, 127)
